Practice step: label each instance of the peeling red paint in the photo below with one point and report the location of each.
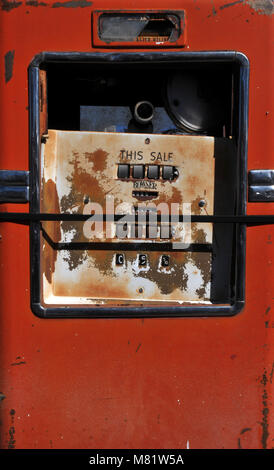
(35, 3)
(265, 411)
(243, 431)
(9, 60)
(263, 7)
(72, 4)
(12, 441)
(227, 5)
(8, 5)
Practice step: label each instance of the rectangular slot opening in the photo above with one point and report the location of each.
(138, 27)
(159, 28)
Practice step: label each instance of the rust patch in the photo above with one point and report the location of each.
(99, 158)
(203, 263)
(82, 183)
(103, 289)
(9, 60)
(43, 102)
(176, 196)
(198, 234)
(8, 5)
(103, 262)
(80, 179)
(109, 285)
(75, 258)
(201, 292)
(167, 283)
(50, 204)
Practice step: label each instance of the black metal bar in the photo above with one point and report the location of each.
(34, 164)
(261, 177)
(14, 178)
(130, 311)
(261, 186)
(239, 270)
(118, 245)
(14, 186)
(261, 193)
(139, 57)
(14, 194)
(43, 217)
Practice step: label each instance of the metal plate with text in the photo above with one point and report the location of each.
(117, 263)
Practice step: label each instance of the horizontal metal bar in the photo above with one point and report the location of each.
(14, 194)
(141, 57)
(14, 178)
(130, 246)
(27, 217)
(261, 177)
(261, 193)
(131, 311)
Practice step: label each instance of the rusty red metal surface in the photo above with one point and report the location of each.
(132, 383)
